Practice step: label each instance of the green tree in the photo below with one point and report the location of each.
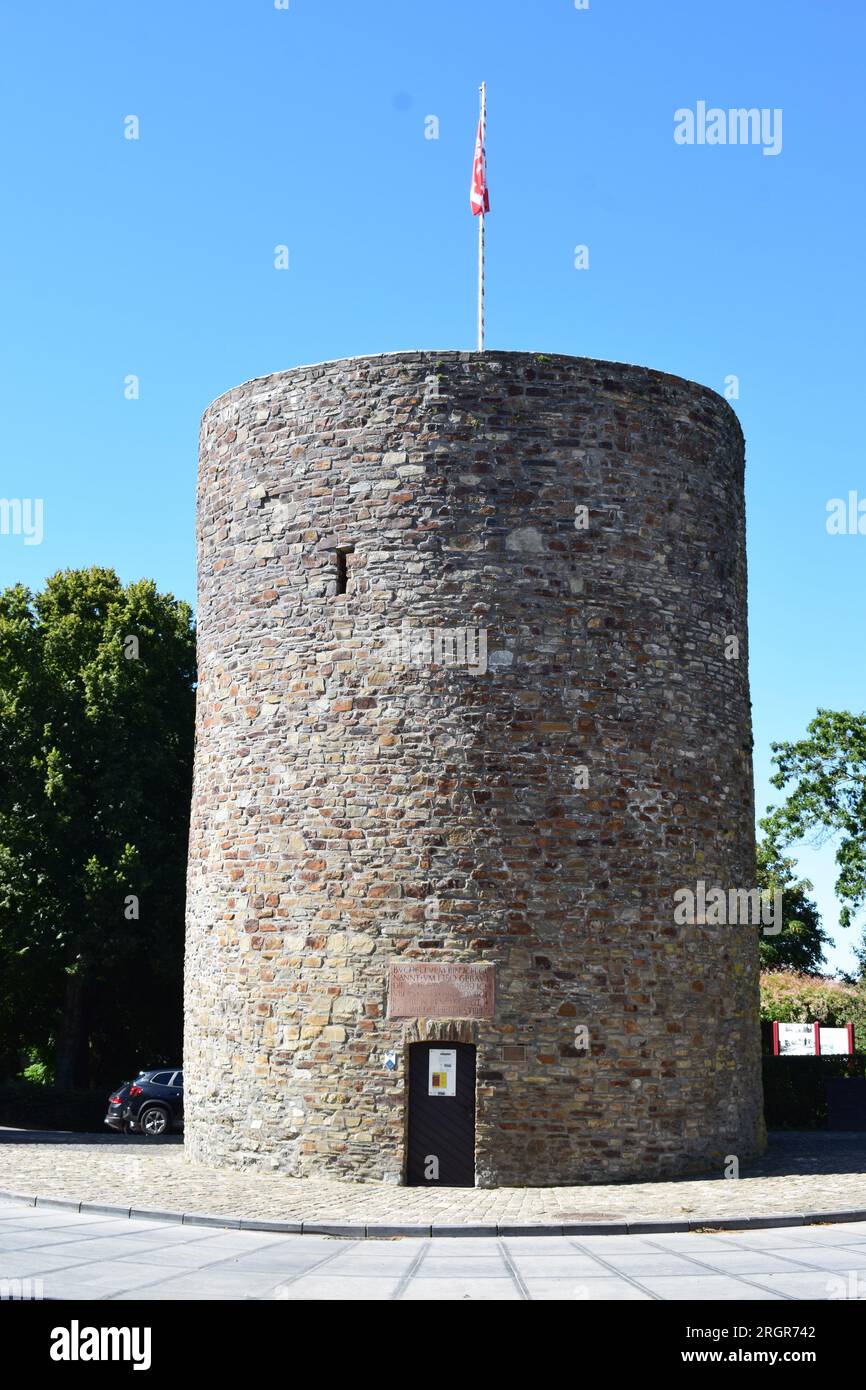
(800, 944)
(97, 684)
(826, 773)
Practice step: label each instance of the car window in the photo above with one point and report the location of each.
(161, 1078)
(178, 1079)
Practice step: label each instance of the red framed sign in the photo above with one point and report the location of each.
(812, 1040)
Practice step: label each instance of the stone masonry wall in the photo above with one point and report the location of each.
(352, 809)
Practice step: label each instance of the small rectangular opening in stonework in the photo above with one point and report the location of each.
(343, 568)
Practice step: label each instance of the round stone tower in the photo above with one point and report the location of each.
(473, 725)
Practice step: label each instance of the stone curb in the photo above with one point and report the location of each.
(382, 1230)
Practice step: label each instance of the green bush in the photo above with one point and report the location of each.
(30, 1105)
(788, 996)
(38, 1073)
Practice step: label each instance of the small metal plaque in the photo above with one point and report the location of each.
(419, 989)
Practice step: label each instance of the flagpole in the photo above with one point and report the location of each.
(481, 229)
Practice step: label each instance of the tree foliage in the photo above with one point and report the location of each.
(826, 774)
(800, 944)
(97, 684)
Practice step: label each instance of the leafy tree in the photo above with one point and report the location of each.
(827, 800)
(800, 944)
(97, 698)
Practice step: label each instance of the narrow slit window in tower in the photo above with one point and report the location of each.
(342, 572)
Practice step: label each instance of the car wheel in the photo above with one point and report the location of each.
(154, 1122)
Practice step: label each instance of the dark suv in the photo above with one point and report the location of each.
(151, 1105)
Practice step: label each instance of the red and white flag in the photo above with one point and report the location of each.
(479, 197)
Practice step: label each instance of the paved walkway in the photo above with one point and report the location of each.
(802, 1174)
(63, 1255)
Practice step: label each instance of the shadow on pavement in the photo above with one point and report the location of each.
(69, 1136)
(790, 1152)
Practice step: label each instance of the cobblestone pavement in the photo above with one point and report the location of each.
(63, 1255)
(800, 1173)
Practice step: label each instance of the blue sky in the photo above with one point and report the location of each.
(306, 127)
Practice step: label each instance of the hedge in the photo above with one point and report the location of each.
(795, 1095)
(792, 997)
(28, 1105)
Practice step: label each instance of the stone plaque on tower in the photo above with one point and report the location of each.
(420, 989)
